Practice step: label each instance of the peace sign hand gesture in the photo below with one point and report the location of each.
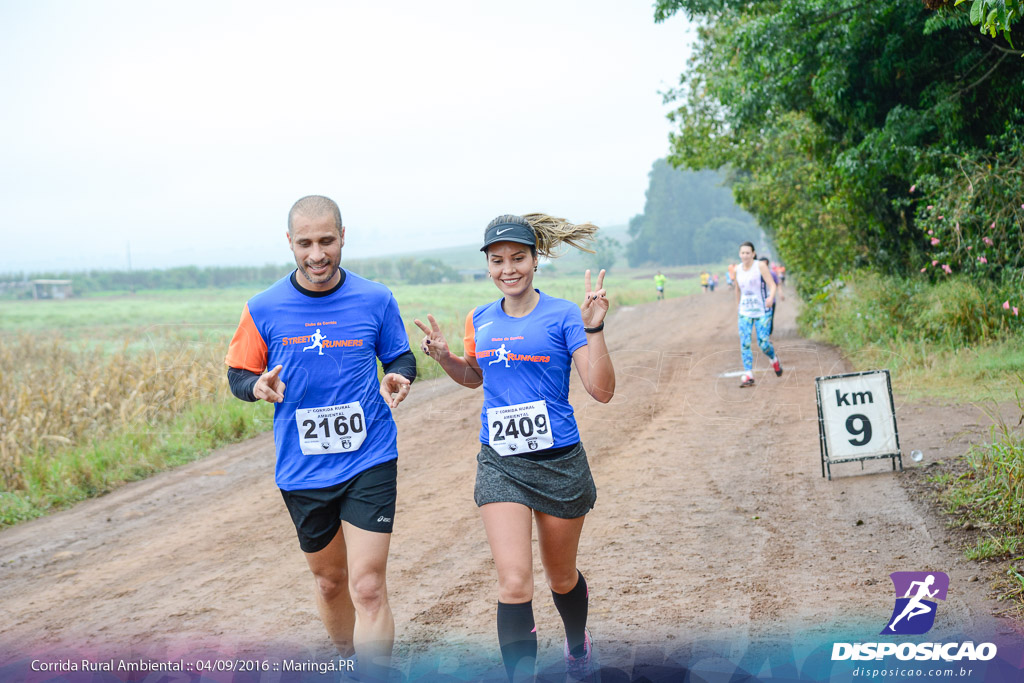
(434, 344)
(595, 304)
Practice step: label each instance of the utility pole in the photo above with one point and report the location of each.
(131, 280)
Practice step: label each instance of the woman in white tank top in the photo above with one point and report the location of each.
(755, 310)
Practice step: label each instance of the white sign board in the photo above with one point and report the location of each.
(856, 417)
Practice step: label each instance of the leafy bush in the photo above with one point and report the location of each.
(972, 211)
(866, 308)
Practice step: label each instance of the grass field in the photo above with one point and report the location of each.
(950, 341)
(968, 374)
(103, 390)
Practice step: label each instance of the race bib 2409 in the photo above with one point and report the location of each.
(518, 429)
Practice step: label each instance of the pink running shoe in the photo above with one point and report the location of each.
(777, 367)
(580, 668)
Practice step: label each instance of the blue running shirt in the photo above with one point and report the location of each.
(528, 359)
(329, 348)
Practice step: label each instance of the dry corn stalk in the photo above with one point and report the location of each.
(55, 397)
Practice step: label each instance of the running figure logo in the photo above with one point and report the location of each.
(318, 342)
(914, 612)
(502, 356)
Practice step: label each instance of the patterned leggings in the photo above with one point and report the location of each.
(764, 326)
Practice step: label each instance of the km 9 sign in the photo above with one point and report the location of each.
(857, 419)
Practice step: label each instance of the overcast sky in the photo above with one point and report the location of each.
(187, 129)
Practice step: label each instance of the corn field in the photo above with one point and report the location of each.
(55, 397)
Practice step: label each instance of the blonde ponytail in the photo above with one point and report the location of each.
(552, 232)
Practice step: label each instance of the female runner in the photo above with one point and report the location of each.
(531, 464)
(755, 310)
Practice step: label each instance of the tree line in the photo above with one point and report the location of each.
(689, 217)
(405, 270)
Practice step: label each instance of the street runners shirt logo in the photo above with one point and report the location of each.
(914, 614)
(503, 355)
(319, 341)
(916, 594)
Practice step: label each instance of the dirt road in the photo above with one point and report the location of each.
(712, 521)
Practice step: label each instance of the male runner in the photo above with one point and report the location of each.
(333, 430)
(764, 292)
(659, 284)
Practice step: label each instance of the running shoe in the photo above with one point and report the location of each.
(777, 367)
(748, 381)
(580, 668)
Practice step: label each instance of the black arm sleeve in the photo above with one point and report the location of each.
(404, 365)
(242, 383)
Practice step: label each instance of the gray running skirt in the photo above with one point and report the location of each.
(560, 486)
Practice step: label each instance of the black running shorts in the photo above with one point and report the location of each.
(366, 501)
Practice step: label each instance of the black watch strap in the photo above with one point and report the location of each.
(590, 330)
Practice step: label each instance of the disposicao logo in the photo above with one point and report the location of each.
(914, 614)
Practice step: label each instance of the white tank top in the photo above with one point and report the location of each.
(751, 298)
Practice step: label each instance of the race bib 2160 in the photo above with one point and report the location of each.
(331, 429)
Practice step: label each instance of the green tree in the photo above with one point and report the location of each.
(992, 16)
(606, 250)
(678, 204)
(830, 111)
(425, 272)
(719, 239)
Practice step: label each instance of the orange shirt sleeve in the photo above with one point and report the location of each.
(469, 342)
(247, 351)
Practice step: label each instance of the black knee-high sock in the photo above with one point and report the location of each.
(517, 637)
(572, 607)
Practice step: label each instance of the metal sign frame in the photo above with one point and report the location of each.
(826, 460)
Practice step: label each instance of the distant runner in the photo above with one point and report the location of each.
(659, 284)
(755, 310)
(764, 293)
(531, 464)
(335, 438)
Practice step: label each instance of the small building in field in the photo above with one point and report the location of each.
(473, 273)
(51, 289)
